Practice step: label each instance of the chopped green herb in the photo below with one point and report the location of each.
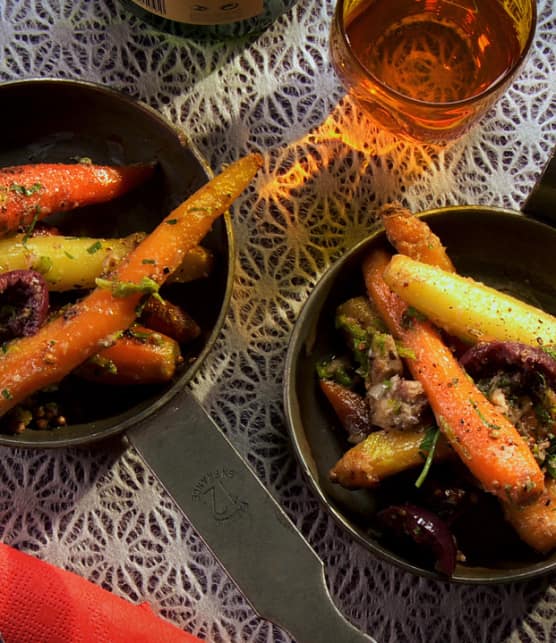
(335, 369)
(550, 349)
(146, 286)
(411, 315)
(483, 419)
(148, 261)
(32, 225)
(95, 247)
(405, 352)
(6, 394)
(43, 264)
(26, 190)
(428, 447)
(171, 221)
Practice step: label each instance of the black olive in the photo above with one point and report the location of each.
(485, 358)
(426, 530)
(23, 303)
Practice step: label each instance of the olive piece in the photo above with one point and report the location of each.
(23, 303)
(485, 358)
(426, 530)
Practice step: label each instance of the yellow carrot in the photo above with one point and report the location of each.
(485, 440)
(466, 308)
(383, 454)
(31, 363)
(75, 262)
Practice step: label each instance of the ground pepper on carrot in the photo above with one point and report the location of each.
(32, 363)
(29, 193)
(486, 441)
(535, 523)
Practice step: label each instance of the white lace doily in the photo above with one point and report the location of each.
(102, 514)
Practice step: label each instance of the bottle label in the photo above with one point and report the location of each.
(203, 12)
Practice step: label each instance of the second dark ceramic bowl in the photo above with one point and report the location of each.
(500, 247)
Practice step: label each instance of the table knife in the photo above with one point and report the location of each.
(260, 548)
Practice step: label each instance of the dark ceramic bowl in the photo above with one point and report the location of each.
(499, 247)
(51, 120)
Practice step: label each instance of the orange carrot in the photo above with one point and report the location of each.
(412, 236)
(485, 440)
(31, 363)
(139, 356)
(29, 193)
(536, 523)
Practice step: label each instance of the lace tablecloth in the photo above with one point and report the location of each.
(327, 170)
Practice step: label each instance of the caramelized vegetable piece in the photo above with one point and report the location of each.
(23, 303)
(466, 308)
(426, 530)
(29, 193)
(488, 444)
(383, 454)
(350, 408)
(35, 362)
(412, 236)
(169, 319)
(198, 263)
(139, 356)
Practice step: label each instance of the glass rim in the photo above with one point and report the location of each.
(500, 81)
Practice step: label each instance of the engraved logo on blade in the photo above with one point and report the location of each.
(216, 491)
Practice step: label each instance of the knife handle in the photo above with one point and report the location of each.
(246, 529)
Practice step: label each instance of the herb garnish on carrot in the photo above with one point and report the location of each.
(29, 193)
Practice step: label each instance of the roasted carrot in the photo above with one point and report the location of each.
(383, 454)
(170, 319)
(29, 193)
(413, 237)
(350, 407)
(485, 440)
(466, 308)
(536, 523)
(83, 329)
(140, 356)
(68, 263)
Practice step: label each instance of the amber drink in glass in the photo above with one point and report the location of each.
(428, 69)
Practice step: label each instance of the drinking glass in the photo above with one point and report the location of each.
(429, 69)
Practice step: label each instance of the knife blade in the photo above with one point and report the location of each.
(246, 529)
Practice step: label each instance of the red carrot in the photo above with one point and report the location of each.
(485, 440)
(29, 193)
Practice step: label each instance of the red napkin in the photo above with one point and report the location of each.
(45, 604)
